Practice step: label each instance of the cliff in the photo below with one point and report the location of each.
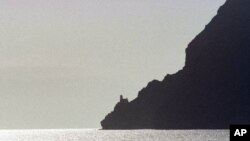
(212, 90)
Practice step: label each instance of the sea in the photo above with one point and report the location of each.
(113, 135)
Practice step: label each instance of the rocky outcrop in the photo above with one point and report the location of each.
(121, 105)
(212, 90)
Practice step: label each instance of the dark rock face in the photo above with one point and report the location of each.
(212, 91)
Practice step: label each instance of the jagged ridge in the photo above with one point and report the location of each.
(210, 92)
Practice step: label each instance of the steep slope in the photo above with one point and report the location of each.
(212, 91)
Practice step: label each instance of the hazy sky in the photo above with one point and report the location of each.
(64, 63)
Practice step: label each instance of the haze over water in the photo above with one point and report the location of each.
(64, 63)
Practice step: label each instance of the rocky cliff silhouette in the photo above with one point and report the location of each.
(212, 90)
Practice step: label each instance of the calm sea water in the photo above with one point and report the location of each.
(126, 135)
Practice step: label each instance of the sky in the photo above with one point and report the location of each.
(64, 63)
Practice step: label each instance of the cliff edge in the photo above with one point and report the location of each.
(212, 90)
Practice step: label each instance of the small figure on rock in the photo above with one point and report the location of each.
(125, 100)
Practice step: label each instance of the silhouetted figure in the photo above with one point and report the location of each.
(123, 100)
